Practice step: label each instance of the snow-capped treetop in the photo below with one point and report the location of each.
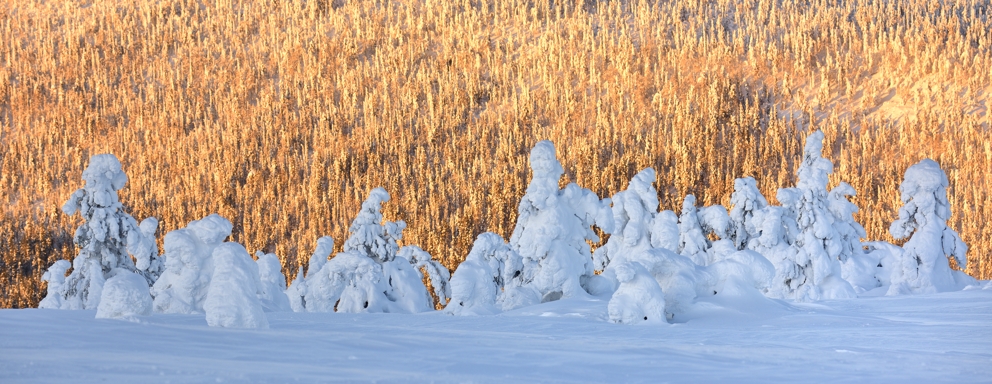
(924, 197)
(211, 230)
(814, 171)
(103, 177)
(423, 262)
(372, 237)
(745, 200)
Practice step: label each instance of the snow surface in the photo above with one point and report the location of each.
(945, 337)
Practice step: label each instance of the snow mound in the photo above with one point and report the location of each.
(124, 296)
(639, 299)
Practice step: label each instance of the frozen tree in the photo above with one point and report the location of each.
(714, 220)
(189, 267)
(370, 236)
(856, 267)
(692, 240)
(639, 299)
(923, 266)
(297, 290)
(273, 284)
(665, 231)
(680, 279)
(55, 276)
(813, 270)
(125, 295)
(552, 229)
(437, 273)
(105, 238)
(367, 276)
(232, 298)
(634, 212)
(489, 280)
(745, 201)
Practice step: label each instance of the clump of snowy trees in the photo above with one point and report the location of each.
(654, 267)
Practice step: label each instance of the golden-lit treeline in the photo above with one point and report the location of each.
(283, 115)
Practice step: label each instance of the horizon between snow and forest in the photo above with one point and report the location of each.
(753, 293)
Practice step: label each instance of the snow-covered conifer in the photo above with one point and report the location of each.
(232, 298)
(297, 290)
(692, 240)
(634, 211)
(272, 284)
(856, 267)
(367, 276)
(745, 201)
(189, 267)
(489, 280)
(665, 231)
(815, 272)
(105, 238)
(437, 273)
(923, 219)
(370, 236)
(125, 295)
(639, 299)
(552, 229)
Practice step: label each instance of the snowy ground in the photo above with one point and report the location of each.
(929, 338)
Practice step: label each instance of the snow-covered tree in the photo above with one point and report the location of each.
(634, 212)
(813, 269)
(105, 239)
(692, 240)
(367, 276)
(189, 266)
(552, 229)
(856, 267)
(923, 219)
(437, 273)
(745, 201)
(639, 299)
(297, 290)
(489, 280)
(272, 284)
(232, 301)
(665, 231)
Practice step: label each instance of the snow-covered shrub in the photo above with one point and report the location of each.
(437, 273)
(189, 267)
(232, 299)
(739, 272)
(125, 295)
(489, 280)
(273, 284)
(812, 270)
(552, 229)
(634, 211)
(692, 240)
(297, 290)
(923, 266)
(55, 276)
(368, 276)
(745, 201)
(105, 238)
(681, 280)
(639, 299)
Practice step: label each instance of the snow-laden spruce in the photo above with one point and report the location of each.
(745, 201)
(189, 265)
(857, 266)
(552, 228)
(696, 224)
(233, 298)
(105, 239)
(369, 275)
(812, 271)
(635, 213)
(297, 290)
(272, 283)
(489, 280)
(923, 265)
